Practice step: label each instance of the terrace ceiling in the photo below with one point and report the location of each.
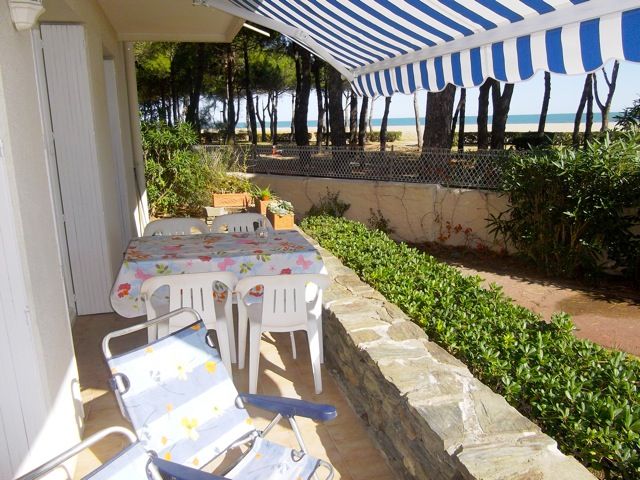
(384, 46)
(169, 21)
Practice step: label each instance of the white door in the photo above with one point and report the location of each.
(22, 408)
(54, 175)
(69, 100)
(118, 153)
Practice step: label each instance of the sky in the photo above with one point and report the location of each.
(527, 96)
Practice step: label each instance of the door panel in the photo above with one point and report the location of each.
(68, 87)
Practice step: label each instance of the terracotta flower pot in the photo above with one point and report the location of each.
(231, 199)
(261, 206)
(280, 222)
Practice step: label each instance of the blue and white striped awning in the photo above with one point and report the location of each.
(387, 46)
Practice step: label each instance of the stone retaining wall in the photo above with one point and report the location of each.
(418, 213)
(429, 415)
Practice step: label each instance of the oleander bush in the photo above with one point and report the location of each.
(573, 211)
(581, 394)
(178, 182)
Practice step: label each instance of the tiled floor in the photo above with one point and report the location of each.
(343, 442)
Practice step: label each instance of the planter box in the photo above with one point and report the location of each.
(231, 199)
(261, 206)
(280, 222)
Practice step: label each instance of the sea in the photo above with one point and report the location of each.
(515, 119)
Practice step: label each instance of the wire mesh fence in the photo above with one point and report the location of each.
(480, 169)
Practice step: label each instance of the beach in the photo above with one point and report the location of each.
(409, 134)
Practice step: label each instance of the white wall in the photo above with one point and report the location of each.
(25, 162)
(417, 212)
(26, 167)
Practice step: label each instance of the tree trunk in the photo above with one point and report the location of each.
(353, 118)
(483, 114)
(462, 103)
(326, 105)
(454, 120)
(302, 98)
(336, 116)
(251, 112)
(606, 107)
(292, 126)
(318, 85)
(262, 120)
(589, 123)
(501, 104)
(416, 113)
(231, 113)
(362, 126)
(192, 115)
(274, 117)
(383, 125)
(437, 123)
(578, 118)
(370, 115)
(545, 103)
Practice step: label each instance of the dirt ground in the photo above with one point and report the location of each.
(607, 314)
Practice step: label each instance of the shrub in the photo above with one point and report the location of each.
(570, 207)
(330, 205)
(177, 179)
(392, 136)
(629, 118)
(584, 396)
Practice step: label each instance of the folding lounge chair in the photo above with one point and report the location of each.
(185, 409)
(132, 463)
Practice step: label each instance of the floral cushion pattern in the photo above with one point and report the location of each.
(185, 409)
(180, 398)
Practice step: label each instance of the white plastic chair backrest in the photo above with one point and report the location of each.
(179, 397)
(240, 222)
(287, 300)
(175, 226)
(194, 290)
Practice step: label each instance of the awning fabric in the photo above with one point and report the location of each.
(387, 46)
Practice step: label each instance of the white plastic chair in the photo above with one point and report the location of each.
(240, 222)
(175, 226)
(289, 303)
(208, 293)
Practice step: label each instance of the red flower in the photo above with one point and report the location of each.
(205, 258)
(123, 289)
(285, 271)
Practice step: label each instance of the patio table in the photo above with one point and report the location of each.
(283, 252)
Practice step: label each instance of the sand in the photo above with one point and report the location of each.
(409, 134)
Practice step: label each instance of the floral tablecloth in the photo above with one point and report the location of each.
(283, 252)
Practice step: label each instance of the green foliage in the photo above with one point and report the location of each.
(262, 193)
(178, 181)
(582, 395)
(378, 221)
(329, 204)
(391, 136)
(629, 118)
(569, 207)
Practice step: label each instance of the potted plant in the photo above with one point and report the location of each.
(231, 191)
(280, 214)
(261, 199)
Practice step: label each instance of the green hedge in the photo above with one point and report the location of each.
(582, 395)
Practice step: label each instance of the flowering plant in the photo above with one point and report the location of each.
(280, 207)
